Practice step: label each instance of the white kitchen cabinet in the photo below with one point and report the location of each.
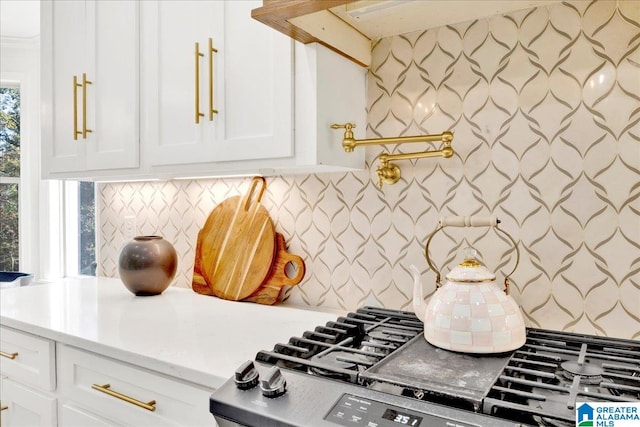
(27, 359)
(48, 384)
(87, 378)
(27, 365)
(328, 89)
(90, 87)
(26, 406)
(274, 106)
(248, 80)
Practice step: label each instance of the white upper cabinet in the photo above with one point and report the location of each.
(231, 99)
(90, 96)
(168, 88)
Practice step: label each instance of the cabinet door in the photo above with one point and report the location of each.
(26, 407)
(113, 64)
(170, 31)
(257, 73)
(63, 53)
(250, 76)
(99, 40)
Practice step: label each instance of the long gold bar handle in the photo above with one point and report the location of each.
(212, 50)
(9, 355)
(85, 82)
(198, 55)
(76, 85)
(149, 406)
(4, 408)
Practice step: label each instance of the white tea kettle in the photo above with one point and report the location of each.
(470, 313)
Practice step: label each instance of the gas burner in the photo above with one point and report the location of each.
(588, 374)
(554, 403)
(554, 370)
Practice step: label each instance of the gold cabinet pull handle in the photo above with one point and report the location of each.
(76, 85)
(9, 355)
(212, 50)
(4, 408)
(149, 406)
(198, 55)
(85, 82)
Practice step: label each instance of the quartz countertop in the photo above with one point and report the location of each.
(198, 338)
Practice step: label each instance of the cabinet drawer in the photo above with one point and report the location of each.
(27, 358)
(86, 378)
(26, 407)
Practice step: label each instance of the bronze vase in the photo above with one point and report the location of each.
(147, 264)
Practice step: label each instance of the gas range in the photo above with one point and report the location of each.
(374, 368)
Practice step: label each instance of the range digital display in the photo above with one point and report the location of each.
(402, 418)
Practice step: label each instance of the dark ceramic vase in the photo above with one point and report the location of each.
(147, 264)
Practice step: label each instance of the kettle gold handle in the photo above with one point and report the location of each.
(471, 221)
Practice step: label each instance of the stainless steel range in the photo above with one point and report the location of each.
(374, 368)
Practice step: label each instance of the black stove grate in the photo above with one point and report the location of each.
(538, 384)
(555, 370)
(345, 348)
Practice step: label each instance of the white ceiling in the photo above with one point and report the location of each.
(19, 18)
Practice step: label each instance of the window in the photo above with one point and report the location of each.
(9, 178)
(37, 234)
(80, 228)
(87, 228)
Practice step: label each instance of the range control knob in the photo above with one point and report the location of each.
(273, 383)
(246, 376)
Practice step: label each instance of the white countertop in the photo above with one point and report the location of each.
(181, 333)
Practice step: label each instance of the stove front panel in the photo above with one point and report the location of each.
(312, 401)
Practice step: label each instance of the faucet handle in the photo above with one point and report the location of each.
(347, 126)
(348, 141)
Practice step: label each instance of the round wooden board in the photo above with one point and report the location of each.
(236, 248)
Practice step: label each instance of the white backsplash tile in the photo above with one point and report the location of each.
(545, 108)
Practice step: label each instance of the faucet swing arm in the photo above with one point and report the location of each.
(389, 172)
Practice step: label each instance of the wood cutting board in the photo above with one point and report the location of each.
(269, 292)
(236, 247)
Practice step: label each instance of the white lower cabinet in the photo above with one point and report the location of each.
(27, 365)
(44, 383)
(27, 359)
(128, 394)
(26, 406)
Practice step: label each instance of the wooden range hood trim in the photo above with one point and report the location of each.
(277, 14)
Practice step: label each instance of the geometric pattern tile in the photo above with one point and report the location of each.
(545, 108)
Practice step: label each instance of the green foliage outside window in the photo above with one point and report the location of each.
(87, 215)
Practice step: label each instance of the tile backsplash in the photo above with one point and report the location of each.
(545, 108)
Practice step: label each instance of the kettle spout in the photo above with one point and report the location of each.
(419, 306)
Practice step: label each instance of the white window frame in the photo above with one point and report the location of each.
(40, 213)
(22, 227)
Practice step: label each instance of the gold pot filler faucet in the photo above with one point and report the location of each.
(390, 172)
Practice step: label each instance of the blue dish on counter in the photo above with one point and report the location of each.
(10, 279)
